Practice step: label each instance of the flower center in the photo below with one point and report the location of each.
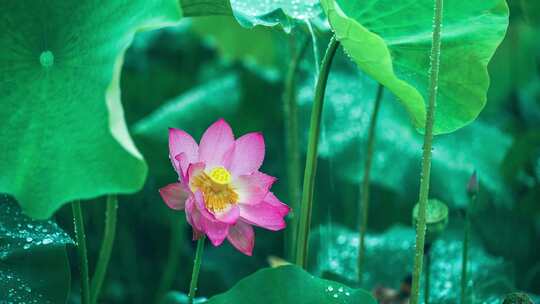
(220, 175)
(216, 188)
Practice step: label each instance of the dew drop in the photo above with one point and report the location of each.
(46, 59)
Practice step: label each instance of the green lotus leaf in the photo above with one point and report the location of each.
(223, 33)
(64, 135)
(196, 8)
(391, 42)
(175, 297)
(389, 259)
(33, 263)
(349, 103)
(290, 285)
(250, 13)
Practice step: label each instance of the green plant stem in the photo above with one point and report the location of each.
(81, 250)
(106, 247)
(364, 201)
(426, 157)
(311, 157)
(196, 269)
(175, 248)
(426, 277)
(465, 250)
(292, 144)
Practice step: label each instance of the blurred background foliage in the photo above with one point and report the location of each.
(209, 67)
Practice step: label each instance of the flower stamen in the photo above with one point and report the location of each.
(216, 188)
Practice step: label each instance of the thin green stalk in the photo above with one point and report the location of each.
(175, 248)
(426, 277)
(311, 157)
(81, 250)
(196, 269)
(292, 145)
(364, 202)
(106, 247)
(465, 254)
(426, 157)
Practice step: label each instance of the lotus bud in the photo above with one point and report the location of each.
(472, 185)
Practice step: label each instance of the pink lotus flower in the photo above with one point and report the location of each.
(220, 186)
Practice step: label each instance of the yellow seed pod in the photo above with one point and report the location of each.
(220, 175)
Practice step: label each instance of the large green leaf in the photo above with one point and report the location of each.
(290, 285)
(397, 157)
(33, 263)
(391, 42)
(223, 33)
(64, 135)
(175, 297)
(195, 8)
(389, 258)
(250, 13)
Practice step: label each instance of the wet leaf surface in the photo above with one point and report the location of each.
(389, 258)
(33, 263)
(288, 285)
(250, 13)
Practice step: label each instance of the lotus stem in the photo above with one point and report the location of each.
(311, 157)
(81, 250)
(196, 269)
(106, 247)
(292, 145)
(426, 157)
(364, 202)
